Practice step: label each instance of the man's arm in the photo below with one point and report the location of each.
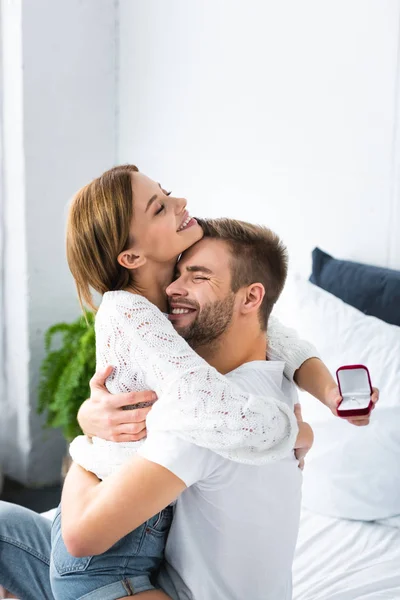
(96, 514)
(314, 377)
(303, 365)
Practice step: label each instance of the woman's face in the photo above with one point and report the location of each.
(161, 226)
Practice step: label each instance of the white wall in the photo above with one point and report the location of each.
(59, 132)
(278, 112)
(14, 441)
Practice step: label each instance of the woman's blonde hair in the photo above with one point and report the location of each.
(98, 231)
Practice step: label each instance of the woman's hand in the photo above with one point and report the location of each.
(333, 399)
(103, 414)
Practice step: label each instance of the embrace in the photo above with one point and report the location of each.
(187, 482)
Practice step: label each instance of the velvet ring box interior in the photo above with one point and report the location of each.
(355, 388)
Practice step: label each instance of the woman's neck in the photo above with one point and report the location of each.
(151, 281)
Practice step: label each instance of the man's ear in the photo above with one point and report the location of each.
(253, 297)
(130, 259)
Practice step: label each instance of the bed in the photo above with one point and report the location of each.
(339, 559)
(349, 539)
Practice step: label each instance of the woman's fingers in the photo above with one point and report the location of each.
(99, 378)
(132, 399)
(130, 432)
(127, 401)
(136, 415)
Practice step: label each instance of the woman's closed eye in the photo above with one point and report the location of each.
(162, 206)
(198, 278)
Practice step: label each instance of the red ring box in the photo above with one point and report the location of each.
(355, 388)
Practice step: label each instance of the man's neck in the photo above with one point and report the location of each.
(235, 347)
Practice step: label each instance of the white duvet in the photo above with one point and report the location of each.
(346, 560)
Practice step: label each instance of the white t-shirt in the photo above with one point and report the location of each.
(235, 526)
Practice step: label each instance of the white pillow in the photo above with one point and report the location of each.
(351, 472)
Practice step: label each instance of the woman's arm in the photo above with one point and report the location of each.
(197, 403)
(142, 487)
(102, 414)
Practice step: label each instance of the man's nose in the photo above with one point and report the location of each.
(176, 290)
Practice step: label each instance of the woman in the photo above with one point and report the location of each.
(124, 236)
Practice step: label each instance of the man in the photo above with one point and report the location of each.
(235, 526)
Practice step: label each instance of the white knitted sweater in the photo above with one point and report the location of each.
(195, 402)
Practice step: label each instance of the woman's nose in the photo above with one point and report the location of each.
(181, 204)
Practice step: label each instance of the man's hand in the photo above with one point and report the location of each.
(104, 416)
(333, 399)
(305, 437)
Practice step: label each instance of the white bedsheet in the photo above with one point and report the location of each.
(346, 560)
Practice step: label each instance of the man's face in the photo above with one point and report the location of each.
(201, 300)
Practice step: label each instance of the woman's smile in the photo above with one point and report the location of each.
(187, 222)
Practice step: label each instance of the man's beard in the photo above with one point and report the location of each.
(211, 322)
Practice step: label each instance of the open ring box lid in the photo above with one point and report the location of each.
(355, 387)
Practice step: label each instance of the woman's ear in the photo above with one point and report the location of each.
(131, 260)
(253, 297)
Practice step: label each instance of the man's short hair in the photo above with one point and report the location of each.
(258, 255)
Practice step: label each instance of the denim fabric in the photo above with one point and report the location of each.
(128, 567)
(25, 548)
(25, 552)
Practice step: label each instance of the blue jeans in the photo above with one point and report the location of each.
(25, 545)
(25, 550)
(126, 569)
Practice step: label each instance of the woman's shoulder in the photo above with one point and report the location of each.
(124, 311)
(125, 298)
(126, 303)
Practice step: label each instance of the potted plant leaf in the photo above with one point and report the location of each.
(66, 370)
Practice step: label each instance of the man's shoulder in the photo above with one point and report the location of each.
(264, 378)
(188, 461)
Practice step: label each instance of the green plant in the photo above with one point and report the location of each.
(65, 373)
